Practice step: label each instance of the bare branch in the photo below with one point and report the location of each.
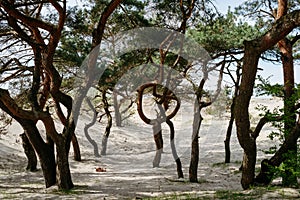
(8, 7)
(295, 39)
(98, 32)
(262, 122)
(14, 108)
(32, 3)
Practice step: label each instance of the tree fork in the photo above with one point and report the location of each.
(253, 50)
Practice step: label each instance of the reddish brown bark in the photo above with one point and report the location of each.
(43, 64)
(43, 46)
(286, 49)
(253, 49)
(98, 32)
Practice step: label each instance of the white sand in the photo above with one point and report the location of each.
(128, 163)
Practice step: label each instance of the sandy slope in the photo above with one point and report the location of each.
(128, 163)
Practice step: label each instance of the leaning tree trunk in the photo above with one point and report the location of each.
(63, 119)
(76, 149)
(44, 150)
(228, 133)
(174, 152)
(231, 121)
(30, 153)
(89, 125)
(109, 123)
(266, 174)
(253, 50)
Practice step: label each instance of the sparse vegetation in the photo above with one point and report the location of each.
(105, 59)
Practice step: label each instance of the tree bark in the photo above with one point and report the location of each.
(253, 49)
(241, 112)
(231, 121)
(109, 123)
(193, 175)
(228, 133)
(44, 151)
(87, 126)
(63, 174)
(117, 110)
(30, 153)
(286, 49)
(76, 149)
(173, 148)
(157, 134)
(266, 173)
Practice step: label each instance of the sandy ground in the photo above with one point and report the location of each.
(128, 163)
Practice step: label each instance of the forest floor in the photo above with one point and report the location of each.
(128, 171)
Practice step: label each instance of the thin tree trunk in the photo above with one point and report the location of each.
(87, 126)
(109, 124)
(227, 140)
(76, 149)
(193, 175)
(174, 152)
(231, 121)
(228, 133)
(117, 110)
(30, 153)
(157, 133)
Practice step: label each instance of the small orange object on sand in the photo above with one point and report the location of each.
(100, 169)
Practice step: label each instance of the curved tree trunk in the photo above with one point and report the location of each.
(253, 50)
(174, 152)
(289, 177)
(87, 126)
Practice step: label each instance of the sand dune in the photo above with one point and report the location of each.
(128, 163)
